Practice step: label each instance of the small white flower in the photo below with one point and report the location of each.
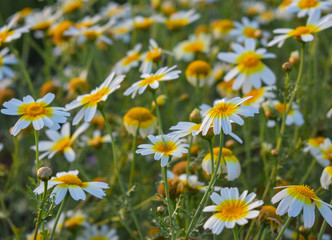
(326, 178)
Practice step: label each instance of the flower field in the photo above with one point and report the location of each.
(188, 119)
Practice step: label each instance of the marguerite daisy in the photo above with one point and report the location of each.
(249, 70)
(91, 100)
(324, 156)
(60, 142)
(295, 198)
(306, 7)
(131, 60)
(313, 145)
(8, 34)
(199, 73)
(326, 178)
(36, 112)
(5, 61)
(229, 163)
(181, 19)
(305, 33)
(69, 181)
(247, 30)
(163, 147)
(223, 113)
(152, 80)
(97, 139)
(231, 209)
(258, 96)
(183, 129)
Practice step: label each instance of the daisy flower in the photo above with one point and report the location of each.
(223, 113)
(144, 23)
(181, 19)
(247, 30)
(97, 139)
(281, 12)
(222, 28)
(183, 129)
(249, 70)
(305, 33)
(152, 80)
(294, 116)
(142, 118)
(5, 61)
(268, 216)
(231, 209)
(95, 232)
(199, 73)
(229, 163)
(163, 147)
(326, 178)
(121, 30)
(324, 156)
(186, 50)
(295, 198)
(8, 33)
(313, 145)
(258, 96)
(116, 11)
(69, 6)
(69, 181)
(36, 112)
(306, 7)
(192, 182)
(61, 142)
(91, 100)
(152, 56)
(42, 20)
(131, 60)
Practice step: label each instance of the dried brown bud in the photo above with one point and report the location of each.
(287, 67)
(44, 173)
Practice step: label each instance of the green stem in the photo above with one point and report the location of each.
(212, 156)
(116, 165)
(132, 167)
(308, 171)
(235, 233)
(206, 194)
(281, 134)
(40, 210)
(322, 230)
(283, 228)
(158, 112)
(58, 215)
(168, 198)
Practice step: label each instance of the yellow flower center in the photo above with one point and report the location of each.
(285, 3)
(316, 141)
(99, 238)
(198, 68)
(35, 109)
(249, 32)
(154, 55)
(194, 47)
(175, 24)
(58, 36)
(26, 11)
(62, 144)
(231, 210)
(131, 58)
(303, 4)
(72, 6)
(280, 108)
(269, 213)
(91, 34)
(96, 97)
(327, 154)
(1, 61)
(71, 223)
(329, 170)
(144, 24)
(252, 10)
(223, 110)
(79, 85)
(224, 26)
(114, 11)
(120, 30)
(301, 30)
(42, 25)
(151, 79)
(70, 179)
(95, 142)
(226, 153)
(4, 35)
(255, 94)
(303, 190)
(250, 62)
(165, 147)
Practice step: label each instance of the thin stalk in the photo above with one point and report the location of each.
(212, 156)
(235, 233)
(122, 187)
(322, 230)
(283, 228)
(58, 215)
(282, 130)
(169, 204)
(132, 167)
(206, 194)
(158, 112)
(40, 212)
(309, 170)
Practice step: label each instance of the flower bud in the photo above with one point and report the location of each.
(160, 210)
(274, 152)
(44, 173)
(195, 116)
(287, 67)
(294, 58)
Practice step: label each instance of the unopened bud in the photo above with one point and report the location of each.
(44, 173)
(274, 152)
(294, 58)
(287, 67)
(195, 116)
(160, 210)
